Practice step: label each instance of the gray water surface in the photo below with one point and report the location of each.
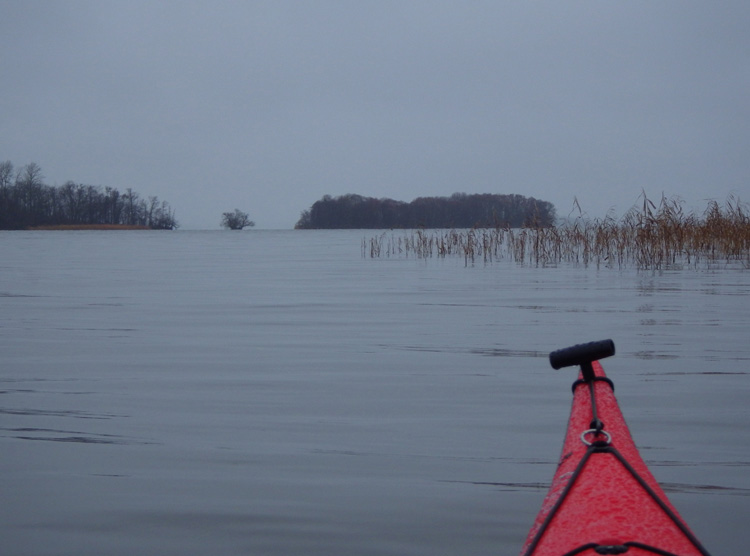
(274, 392)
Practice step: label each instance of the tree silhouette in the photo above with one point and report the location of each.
(236, 220)
(457, 211)
(26, 202)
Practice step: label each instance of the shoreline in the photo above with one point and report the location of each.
(77, 227)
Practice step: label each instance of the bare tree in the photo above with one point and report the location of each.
(132, 213)
(236, 220)
(6, 174)
(30, 175)
(30, 194)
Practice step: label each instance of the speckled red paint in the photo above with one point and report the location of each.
(606, 504)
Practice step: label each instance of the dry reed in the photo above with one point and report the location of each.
(648, 237)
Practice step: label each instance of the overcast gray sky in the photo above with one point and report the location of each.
(268, 106)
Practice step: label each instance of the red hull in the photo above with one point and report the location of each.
(603, 503)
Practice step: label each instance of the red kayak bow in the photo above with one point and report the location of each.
(603, 499)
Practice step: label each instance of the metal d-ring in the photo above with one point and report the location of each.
(596, 432)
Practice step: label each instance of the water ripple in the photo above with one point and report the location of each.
(57, 435)
(76, 414)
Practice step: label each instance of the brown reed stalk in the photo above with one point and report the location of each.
(649, 237)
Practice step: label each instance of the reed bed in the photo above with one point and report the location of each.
(648, 237)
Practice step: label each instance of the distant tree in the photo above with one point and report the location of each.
(305, 220)
(134, 211)
(31, 199)
(236, 220)
(6, 186)
(163, 217)
(30, 175)
(6, 174)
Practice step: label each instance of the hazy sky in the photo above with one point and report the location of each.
(268, 106)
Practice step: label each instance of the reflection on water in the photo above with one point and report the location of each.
(274, 392)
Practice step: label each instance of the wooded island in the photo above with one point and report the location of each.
(27, 202)
(460, 210)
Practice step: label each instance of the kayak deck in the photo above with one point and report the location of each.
(603, 498)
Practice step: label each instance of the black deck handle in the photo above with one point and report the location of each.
(581, 354)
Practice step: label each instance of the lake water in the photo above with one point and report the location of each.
(275, 392)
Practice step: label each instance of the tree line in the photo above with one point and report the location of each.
(27, 202)
(460, 210)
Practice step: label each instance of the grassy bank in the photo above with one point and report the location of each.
(649, 236)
